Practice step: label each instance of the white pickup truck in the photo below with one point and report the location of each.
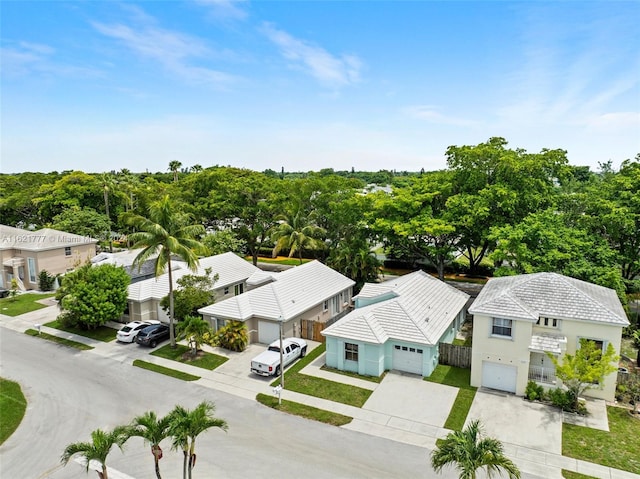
(267, 363)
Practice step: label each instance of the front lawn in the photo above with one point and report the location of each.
(459, 378)
(166, 371)
(22, 303)
(56, 339)
(575, 475)
(305, 411)
(285, 260)
(101, 333)
(319, 387)
(373, 379)
(617, 448)
(13, 405)
(204, 360)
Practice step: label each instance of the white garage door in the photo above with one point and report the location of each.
(499, 376)
(408, 359)
(268, 331)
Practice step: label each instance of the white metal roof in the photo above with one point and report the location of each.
(293, 292)
(531, 296)
(231, 269)
(421, 312)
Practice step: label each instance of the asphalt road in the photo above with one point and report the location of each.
(71, 393)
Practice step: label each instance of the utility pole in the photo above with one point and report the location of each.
(281, 358)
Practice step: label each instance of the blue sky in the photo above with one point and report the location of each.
(305, 85)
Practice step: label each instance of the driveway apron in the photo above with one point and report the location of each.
(511, 419)
(409, 397)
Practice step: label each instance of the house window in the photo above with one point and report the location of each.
(31, 264)
(548, 322)
(226, 290)
(67, 250)
(501, 327)
(350, 352)
(600, 344)
(325, 305)
(238, 289)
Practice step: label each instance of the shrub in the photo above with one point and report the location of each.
(45, 280)
(534, 392)
(233, 336)
(564, 399)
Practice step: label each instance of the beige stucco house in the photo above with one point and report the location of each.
(312, 291)
(233, 272)
(517, 320)
(24, 254)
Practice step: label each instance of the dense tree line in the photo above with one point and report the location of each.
(494, 210)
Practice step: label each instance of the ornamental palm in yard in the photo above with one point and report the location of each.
(469, 451)
(96, 450)
(187, 425)
(166, 232)
(296, 232)
(153, 430)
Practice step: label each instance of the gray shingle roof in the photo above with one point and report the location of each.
(293, 292)
(530, 296)
(231, 269)
(421, 311)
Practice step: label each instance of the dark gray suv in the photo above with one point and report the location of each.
(152, 335)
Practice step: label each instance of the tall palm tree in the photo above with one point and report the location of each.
(167, 231)
(98, 449)
(174, 166)
(187, 425)
(469, 451)
(108, 184)
(153, 430)
(296, 232)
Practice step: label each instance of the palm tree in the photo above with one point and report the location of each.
(166, 232)
(469, 451)
(297, 232)
(355, 260)
(96, 450)
(108, 183)
(196, 330)
(187, 425)
(174, 166)
(153, 430)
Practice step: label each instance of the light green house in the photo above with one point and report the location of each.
(397, 324)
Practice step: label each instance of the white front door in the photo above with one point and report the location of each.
(408, 359)
(268, 331)
(499, 376)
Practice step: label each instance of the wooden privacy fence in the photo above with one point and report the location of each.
(311, 330)
(452, 355)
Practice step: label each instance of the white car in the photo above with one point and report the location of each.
(129, 332)
(267, 363)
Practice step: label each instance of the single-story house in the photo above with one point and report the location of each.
(311, 291)
(24, 254)
(233, 274)
(397, 324)
(517, 320)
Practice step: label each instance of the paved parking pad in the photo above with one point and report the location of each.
(513, 420)
(407, 396)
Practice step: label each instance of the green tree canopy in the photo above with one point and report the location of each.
(81, 221)
(193, 292)
(89, 296)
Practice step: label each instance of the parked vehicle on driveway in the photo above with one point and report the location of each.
(152, 335)
(267, 363)
(128, 333)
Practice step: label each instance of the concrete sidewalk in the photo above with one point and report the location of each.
(366, 421)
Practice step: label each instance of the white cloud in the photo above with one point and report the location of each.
(37, 59)
(225, 9)
(328, 69)
(173, 50)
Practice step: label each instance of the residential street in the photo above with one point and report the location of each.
(72, 393)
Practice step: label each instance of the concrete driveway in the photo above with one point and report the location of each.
(407, 396)
(515, 421)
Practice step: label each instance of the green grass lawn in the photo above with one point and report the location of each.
(205, 360)
(101, 333)
(13, 405)
(305, 411)
(459, 378)
(373, 379)
(56, 339)
(22, 303)
(280, 260)
(618, 448)
(575, 475)
(166, 371)
(319, 387)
